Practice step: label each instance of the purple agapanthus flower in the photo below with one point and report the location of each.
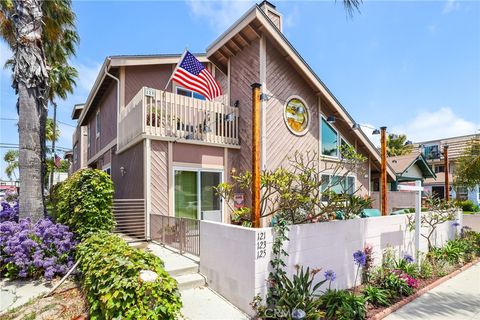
(330, 275)
(360, 258)
(408, 258)
(456, 224)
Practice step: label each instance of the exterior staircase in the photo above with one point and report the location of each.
(199, 301)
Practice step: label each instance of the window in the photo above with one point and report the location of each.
(296, 116)
(97, 124)
(89, 138)
(75, 153)
(462, 193)
(189, 93)
(107, 169)
(329, 140)
(338, 184)
(439, 169)
(431, 152)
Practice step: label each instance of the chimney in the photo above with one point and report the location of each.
(272, 13)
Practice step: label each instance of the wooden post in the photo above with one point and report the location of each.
(383, 171)
(447, 182)
(256, 155)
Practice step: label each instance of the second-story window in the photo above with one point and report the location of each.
(329, 140)
(75, 153)
(89, 137)
(439, 169)
(189, 93)
(97, 124)
(431, 152)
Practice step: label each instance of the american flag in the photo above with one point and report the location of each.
(58, 161)
(193, 75)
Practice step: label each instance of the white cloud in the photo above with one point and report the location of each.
(290, 19)
(219, 14)
(87, 73)
(368, 128)
(450, 6)
(441, 123)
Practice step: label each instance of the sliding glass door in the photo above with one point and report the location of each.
(195, 196)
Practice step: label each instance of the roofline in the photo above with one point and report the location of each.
(456, 137)
(426, 165)
(257, 12)
(127, 60)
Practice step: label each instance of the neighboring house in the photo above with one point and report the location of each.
(408, 169)
(433, 153)
(168, 147)
(411, 167)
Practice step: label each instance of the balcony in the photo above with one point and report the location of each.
(167, 116)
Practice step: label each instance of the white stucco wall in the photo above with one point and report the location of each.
(236, 264)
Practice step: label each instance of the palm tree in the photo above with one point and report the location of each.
(11, 158)
(42, 35)
(398, 145)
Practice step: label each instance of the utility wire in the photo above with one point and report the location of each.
(67, 124)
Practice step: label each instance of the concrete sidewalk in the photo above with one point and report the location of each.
(457, 298)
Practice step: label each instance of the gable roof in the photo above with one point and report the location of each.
(250, 27)
(400, 164)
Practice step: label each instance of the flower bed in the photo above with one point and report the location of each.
(30, 250)
(396, 280)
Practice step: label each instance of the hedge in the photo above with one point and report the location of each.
(110, 271)
(84, 202)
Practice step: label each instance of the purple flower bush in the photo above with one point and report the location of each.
(9, 212)
(408, 258)
(30, 250)
(360, 258)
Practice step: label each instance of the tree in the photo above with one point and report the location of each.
(42, 35)
(351, 6)
(397, 145)
(302, 192)
(11, 158)
(468, 165)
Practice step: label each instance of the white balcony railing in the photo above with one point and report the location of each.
(174, 117)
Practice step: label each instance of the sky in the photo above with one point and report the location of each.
(412, 66)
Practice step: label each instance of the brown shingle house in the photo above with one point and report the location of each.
(166, 146)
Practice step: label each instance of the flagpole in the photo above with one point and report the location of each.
(176, 67)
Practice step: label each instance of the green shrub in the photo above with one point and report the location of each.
(110, 271)
(376, 296)
(85, 202)
(343, 305)
(468, 205)
(426, 269)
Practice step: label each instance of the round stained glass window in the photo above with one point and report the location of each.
(296, 116)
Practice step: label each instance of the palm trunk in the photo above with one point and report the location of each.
(53, 143)
(30, 82)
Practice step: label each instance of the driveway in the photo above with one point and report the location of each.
(457, 298)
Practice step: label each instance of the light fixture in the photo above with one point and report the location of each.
(229, 117)
(375, 132)
(356, 126)
(331, 119)
(236, 104)
(123, 171)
